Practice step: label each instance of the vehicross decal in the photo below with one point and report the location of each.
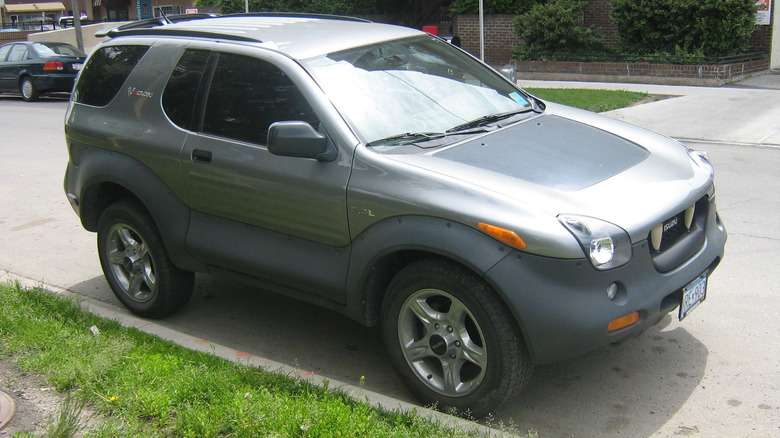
(132, 91)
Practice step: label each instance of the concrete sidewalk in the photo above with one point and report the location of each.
(747, 112)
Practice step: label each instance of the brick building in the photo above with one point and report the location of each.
(45, 15)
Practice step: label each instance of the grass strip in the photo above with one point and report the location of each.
(142, 386)
(591, 100)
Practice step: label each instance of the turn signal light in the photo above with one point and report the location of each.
(502, 234)
(623, 322)
(54, 65)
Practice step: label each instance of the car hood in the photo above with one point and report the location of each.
(550, 151)
(576, 162)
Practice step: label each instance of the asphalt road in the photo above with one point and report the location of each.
(715, 374)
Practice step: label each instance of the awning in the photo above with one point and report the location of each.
(35, 7)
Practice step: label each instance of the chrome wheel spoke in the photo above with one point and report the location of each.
(452, 380)
(474, 354)
(126, 237)
(134, 289)
(149, 277)
(424, 312)
(417, 350)
(116, 257)
(457, 315)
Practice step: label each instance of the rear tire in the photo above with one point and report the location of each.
(451, 339)
(136, 264)
(29, 91)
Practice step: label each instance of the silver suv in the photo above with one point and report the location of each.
(388, 175)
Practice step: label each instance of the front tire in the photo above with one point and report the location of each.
(452, 340)
(29, 91)
(136, 264)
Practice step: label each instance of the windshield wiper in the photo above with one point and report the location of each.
(486, 120)
(419, 137)
(407, 137)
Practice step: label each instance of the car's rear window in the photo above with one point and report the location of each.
(105, 72)
(48, 50)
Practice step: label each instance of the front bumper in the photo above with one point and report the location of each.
(562, 306)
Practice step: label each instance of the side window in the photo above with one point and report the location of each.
(105, 73)
(18, 53)
(180, 96)
(247, 95)
(4, 52)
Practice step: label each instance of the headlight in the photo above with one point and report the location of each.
(701, 159)
(606, 245)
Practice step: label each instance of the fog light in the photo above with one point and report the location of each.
(612, 291)
(623, 322)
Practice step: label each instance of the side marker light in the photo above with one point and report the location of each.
(502, 234)
(623, 322)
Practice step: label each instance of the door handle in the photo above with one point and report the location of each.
(200, 156)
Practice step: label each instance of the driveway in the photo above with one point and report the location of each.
(715, 374)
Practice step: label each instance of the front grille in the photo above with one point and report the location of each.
(672, 242)
(673, 229)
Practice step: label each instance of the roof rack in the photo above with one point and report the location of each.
(299, 15)
(149, 26)
(150, 23)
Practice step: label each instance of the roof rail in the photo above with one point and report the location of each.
(152, 23)
(155, 26)
(298, 14)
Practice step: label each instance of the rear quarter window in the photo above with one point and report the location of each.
(105, 73)
(180, 97)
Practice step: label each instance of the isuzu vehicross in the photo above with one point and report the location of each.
(381, 172)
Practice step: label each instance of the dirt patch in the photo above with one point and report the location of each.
(653, 98)
(35, 402)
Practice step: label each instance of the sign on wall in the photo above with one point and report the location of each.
(763, 12)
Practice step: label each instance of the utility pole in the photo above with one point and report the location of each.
(482, 30)
(77, 24)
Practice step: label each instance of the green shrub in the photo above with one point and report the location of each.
(555, 27)
(514, 7)
(709, 27)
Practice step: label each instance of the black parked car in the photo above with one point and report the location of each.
(34, 68)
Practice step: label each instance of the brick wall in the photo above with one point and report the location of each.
(597, 14)
(761, 40)
(500, 36)
(705, 74)
(9, 37)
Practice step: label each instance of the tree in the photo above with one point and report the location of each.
(703, 27)
(555, 27)
(515, 7)
(341, 7)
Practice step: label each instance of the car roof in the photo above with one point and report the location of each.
(300, 36)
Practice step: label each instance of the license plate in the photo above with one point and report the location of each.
(693, 295)
(76, 66)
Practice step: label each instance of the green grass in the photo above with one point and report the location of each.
(591, 100)
(141, 386)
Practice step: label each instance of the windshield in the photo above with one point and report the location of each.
(413, 88)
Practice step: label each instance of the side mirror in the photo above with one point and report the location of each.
(509, 72)
(299, 139)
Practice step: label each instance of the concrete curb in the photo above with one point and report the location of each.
(127, 319)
